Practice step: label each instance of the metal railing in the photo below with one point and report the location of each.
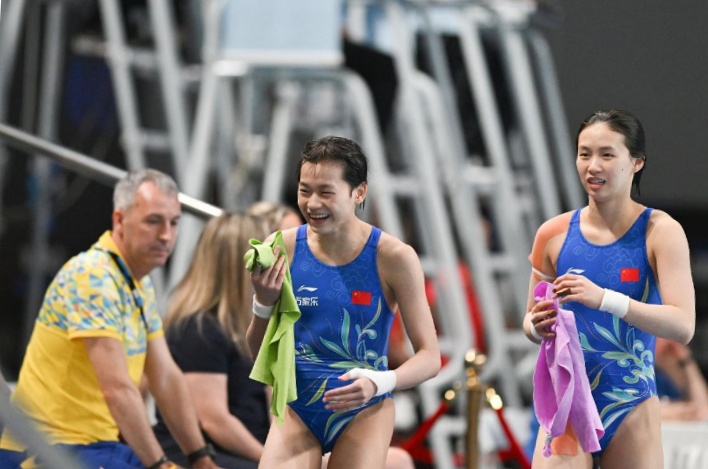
(23, 430)
(89, 167)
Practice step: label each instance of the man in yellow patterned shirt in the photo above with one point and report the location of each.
(99, 330)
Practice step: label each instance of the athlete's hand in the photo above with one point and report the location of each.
(543, 317)
(577, 288)
(267, 283)
(349, 397)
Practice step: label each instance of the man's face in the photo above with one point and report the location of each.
(147, 231)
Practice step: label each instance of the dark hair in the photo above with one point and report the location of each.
(625, 123)
(338, 150)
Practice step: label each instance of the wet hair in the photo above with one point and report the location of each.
(126, 189)
(625, 123)
(337, 150)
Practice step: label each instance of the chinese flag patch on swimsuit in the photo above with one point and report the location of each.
(629, 274)
(361, 298)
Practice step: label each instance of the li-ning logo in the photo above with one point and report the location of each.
(307, 300)
(575, 271)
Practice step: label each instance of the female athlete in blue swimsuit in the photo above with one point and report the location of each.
(348, 278)
(624, 270)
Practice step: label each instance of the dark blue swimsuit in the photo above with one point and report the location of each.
(619, 358)
(345, 324)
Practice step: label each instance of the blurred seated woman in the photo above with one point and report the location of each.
(207, 316)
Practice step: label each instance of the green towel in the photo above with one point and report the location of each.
(275, 363)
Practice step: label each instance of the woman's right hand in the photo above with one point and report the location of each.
(542, 318)
(267, 283)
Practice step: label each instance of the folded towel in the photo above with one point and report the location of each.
(275, 363)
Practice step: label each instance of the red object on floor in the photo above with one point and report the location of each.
(419, 452)
(515, 451)
(415, 441)
(415, 444)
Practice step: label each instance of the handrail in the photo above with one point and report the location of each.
(90, 167)
(24, 431)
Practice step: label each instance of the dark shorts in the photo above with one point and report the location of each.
(11, 459)
(106, 455)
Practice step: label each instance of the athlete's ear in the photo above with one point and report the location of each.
(638, 163)
(360, 193)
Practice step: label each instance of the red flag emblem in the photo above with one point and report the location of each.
(629, 274)
(361, 298)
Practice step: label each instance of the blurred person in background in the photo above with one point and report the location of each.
(680, 383)
(98, 330)
(207, 317)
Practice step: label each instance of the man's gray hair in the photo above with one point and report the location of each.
(126, 189)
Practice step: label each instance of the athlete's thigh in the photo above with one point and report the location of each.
(364, 444)
(580, 460)
(291, 445)
(637, 442)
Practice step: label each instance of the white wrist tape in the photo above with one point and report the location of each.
(615, 303)
(535, 334)
(385, 381)
(263, 312)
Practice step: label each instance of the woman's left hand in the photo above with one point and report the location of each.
(349, 397)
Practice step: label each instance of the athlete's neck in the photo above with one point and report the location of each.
(342, 246)
(616, 217)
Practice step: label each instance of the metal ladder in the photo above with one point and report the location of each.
(173, 78)
(39, 115)
(439, 141)
(500, 276)
(161, 63)
(10, 30)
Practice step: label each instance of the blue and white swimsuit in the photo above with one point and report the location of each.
(345, 324)
(619, 358)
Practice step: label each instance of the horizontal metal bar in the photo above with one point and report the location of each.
(89, 167)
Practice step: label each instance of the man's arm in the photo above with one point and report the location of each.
(168, 386)
(123, 397)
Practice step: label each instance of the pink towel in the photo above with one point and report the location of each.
(561, 393)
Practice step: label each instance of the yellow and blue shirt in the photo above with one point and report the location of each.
(89, 297)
